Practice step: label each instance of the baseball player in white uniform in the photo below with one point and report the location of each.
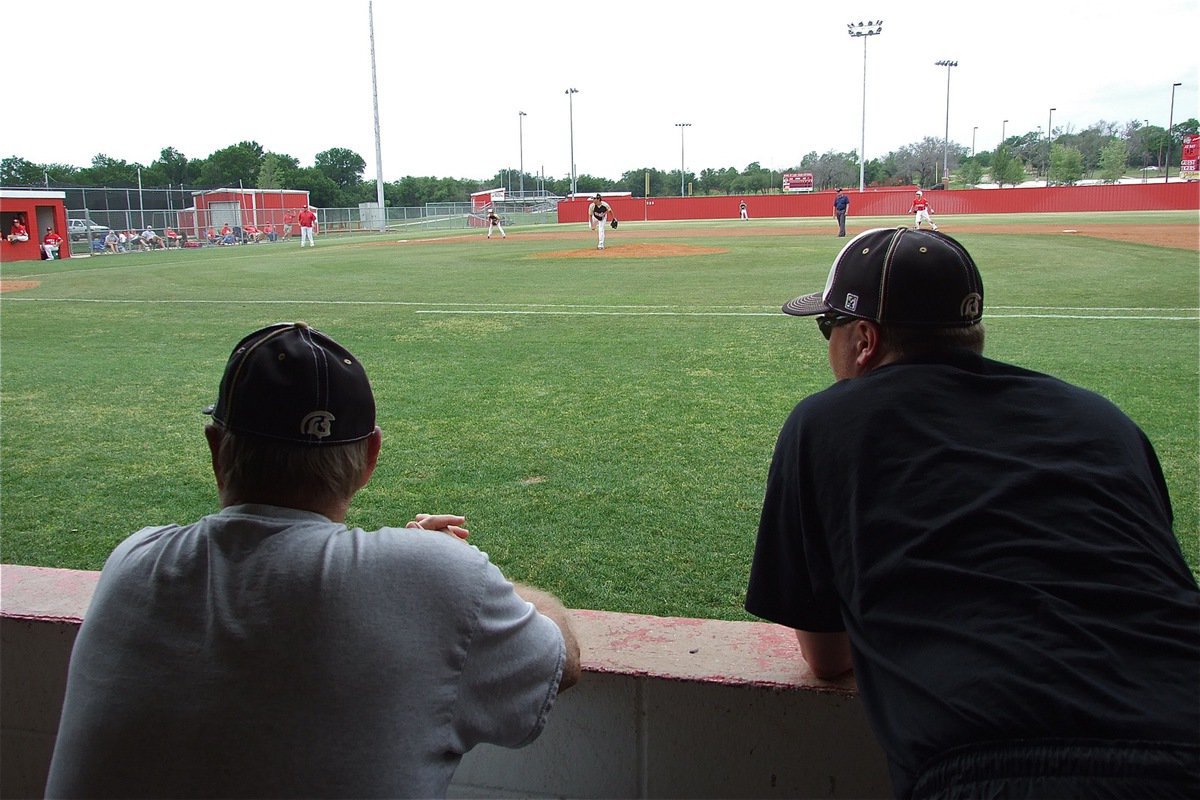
(598, 214)
(493, 221)
(920, 206)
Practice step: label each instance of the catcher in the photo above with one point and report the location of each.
(921, 207)
(600, 212)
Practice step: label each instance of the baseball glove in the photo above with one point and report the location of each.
(613, 223)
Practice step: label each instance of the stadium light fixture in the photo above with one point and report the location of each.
(946, 142)
(872, 28)
(521, 146)
(1049, 141)
(974, 131)
(1170, 138)
(570, 93)
(682, 172)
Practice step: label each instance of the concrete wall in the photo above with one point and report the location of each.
(667, 707)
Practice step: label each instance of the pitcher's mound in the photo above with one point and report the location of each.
(637, 250)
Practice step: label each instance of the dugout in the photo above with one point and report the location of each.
(39, 210)
(238, 208)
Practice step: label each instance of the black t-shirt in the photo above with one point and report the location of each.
(997, 544)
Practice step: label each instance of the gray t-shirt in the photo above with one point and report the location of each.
(269, 652)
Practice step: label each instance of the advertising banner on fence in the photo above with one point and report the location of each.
(1191, 154)
(797, 181)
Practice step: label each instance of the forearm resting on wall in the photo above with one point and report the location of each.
(550, 606)
(827, 654)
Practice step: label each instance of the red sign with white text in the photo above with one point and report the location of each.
(797, 181)
(1190, 156)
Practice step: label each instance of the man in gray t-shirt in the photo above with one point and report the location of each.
(267, 650)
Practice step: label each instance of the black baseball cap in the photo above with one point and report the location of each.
(900, 276)
(292, 383)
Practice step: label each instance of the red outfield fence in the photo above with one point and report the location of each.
(895, 202)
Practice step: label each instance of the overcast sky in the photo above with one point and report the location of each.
(758, 80)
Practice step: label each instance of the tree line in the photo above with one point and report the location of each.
(1104, 150)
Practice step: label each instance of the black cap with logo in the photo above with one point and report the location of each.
(900, 276)
(292, 383)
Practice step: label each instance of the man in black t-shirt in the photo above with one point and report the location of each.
(990, 549)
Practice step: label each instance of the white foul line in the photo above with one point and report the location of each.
(617, 310)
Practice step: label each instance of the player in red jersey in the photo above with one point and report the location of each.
(19, 232)
(308, 223)
(51, 243)
(920, 207)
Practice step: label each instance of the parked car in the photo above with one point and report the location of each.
(78, 229)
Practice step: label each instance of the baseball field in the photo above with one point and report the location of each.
(604, 419)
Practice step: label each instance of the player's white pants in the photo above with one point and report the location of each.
(923, 216)
(307, 236)
(600, 225)
(498, 227)
(51, 251)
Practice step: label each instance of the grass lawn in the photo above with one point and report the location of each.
(604, 422)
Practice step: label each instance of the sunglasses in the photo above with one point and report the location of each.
(827, 322)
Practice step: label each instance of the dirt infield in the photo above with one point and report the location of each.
(637, 250)
(1177, 237)
(16, 286)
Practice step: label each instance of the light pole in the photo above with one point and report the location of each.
(1049, 141)
(378, 143)
(974, 131)
(946, 141)
(570, 93)
(1145, 151)
(1003, 126)
(1170, 138)
(521, 145)
(864, 30)
(681, 126)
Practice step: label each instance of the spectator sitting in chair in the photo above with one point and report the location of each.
(213, 238)
(50, 244)
(172, 237)
(152, 239)
(252, 234)
(227, 236)
(135, 241)
(270, 231)
(112, 243)
(19, 232)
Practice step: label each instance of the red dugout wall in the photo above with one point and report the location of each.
(37, 210)
(895, 202)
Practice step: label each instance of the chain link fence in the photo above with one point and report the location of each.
(188, 226)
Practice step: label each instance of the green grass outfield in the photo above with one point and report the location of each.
(604, 422)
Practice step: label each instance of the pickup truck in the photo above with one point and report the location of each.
(78, 229)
